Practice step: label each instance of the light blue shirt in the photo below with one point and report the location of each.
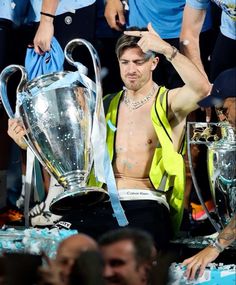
(165, 16)
(228, 16)
(63, 7)
(13, 10)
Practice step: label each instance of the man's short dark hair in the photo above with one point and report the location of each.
(142, 241)
(125, 42)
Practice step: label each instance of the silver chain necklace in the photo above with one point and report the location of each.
(133, 105)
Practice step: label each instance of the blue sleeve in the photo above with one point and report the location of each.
(13, 10)
(198, 4)
(6, 10)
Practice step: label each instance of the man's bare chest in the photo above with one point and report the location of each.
(135, 128)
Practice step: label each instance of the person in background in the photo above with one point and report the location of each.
(105, 42)
(58, 271)
(66, 20)
(88, 269)
(128, 256)
(223, 56)
(166, 19)
(223, 97)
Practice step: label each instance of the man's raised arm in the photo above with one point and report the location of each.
(182, 100)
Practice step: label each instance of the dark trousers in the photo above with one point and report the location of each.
(223, 57)
(146, 215)
(82, 26)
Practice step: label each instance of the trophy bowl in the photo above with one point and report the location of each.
(57, 110)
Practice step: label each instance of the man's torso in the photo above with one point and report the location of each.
(135, 144)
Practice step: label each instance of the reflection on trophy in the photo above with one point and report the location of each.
(57, 111)
(219, 138)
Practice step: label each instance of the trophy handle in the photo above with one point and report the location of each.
(195, 183)
(96, 65)
(4, 76)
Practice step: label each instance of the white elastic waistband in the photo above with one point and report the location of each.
(142, 194)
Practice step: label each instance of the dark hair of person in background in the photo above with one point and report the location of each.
(87, 269)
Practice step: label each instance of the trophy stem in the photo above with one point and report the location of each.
(75, 179)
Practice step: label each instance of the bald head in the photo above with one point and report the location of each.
(70, 249)
(76, 244)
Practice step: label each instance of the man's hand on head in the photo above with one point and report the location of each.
(150, 40)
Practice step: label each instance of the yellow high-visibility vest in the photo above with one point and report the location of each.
(167, 172)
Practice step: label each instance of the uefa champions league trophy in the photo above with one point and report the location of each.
(220, 140)
(57, 110)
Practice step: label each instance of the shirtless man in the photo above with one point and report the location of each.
(145, 138)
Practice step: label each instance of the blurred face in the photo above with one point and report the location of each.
(65, 260)
(135, 69)
(227, 112)
(120, 265)
(70, 249)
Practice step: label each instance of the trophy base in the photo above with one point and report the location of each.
(74, 199)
